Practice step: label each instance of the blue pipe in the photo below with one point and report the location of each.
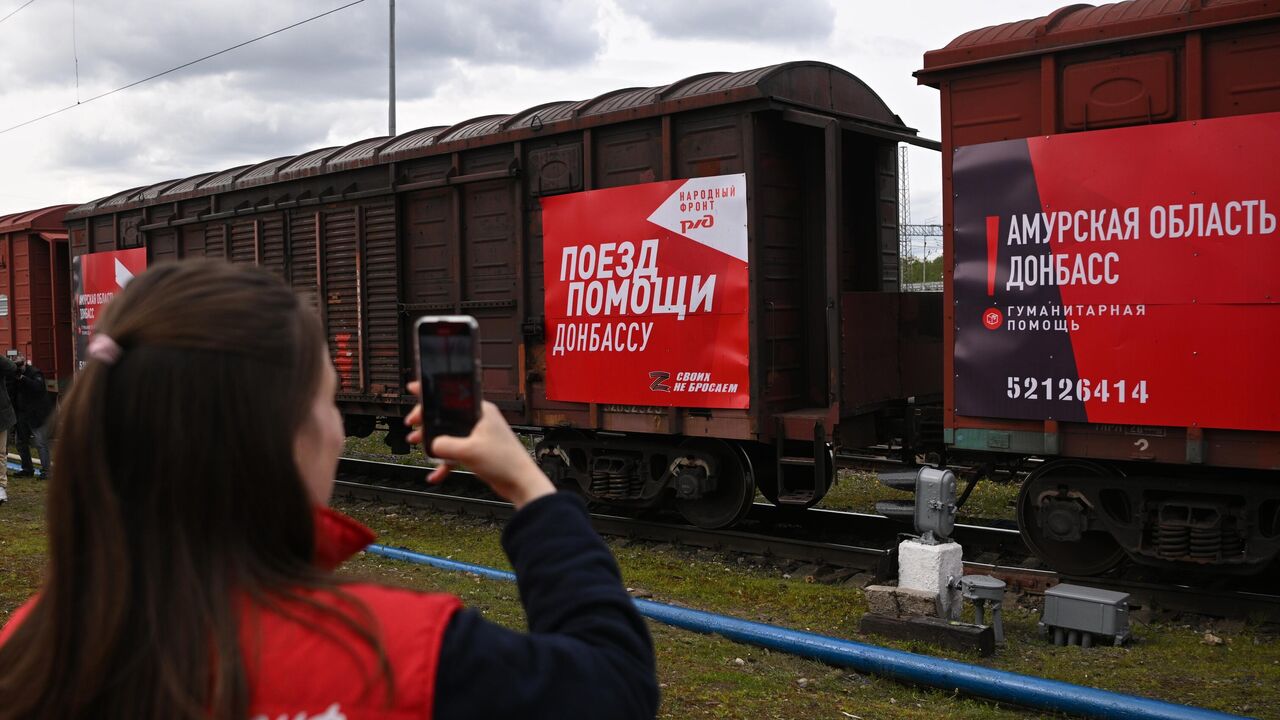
(949, 675)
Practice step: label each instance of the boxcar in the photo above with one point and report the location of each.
(35, 297)
(1109, 208)
(450, 220)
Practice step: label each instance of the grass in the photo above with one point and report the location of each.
(22, 543)
(709, 677)
(703, 677)
(373, 448)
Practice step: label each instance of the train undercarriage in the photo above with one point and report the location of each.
(1085, 518)
(1080, 517)
(712, 482)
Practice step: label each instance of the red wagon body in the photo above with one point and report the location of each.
(1088, 156)
(35, 295)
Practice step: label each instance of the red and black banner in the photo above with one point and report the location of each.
(1121, 276)
(647, 294)
(95, 279)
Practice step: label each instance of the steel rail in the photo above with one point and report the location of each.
(877, 561)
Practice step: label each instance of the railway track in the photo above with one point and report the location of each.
(861, 542)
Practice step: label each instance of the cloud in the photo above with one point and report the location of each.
(344, 53)
(174, 138)
(796, 20)
(319, 84)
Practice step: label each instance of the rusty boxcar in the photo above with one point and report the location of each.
(35, 295)
(1109, 195)
(449, 219)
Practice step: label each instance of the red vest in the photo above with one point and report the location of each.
(296, 673)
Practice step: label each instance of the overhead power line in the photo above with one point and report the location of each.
(15, 12)
(149, 78)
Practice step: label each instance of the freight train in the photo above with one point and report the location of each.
(651, 363)
(691, 292)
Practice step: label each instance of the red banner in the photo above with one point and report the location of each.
(647, 294)
(95, 279)
(1121, 276)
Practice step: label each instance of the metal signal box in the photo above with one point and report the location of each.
(934, 509)
(935, 515)
(1078, 615)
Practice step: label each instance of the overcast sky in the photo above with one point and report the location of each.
(325, 83)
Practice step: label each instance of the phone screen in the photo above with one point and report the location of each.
(447, 364)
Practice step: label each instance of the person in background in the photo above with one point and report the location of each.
(191, 546)
(7, 420)
(34, 408)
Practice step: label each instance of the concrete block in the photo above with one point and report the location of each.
(916, 603)
(901, 602)
(931, 568)
(880, 599)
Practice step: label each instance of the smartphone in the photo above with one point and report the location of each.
(449, 368)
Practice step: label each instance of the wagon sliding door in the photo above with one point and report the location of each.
(793, 265)
(355, 281)
(461, 257)
(491, 263)
(340, 296)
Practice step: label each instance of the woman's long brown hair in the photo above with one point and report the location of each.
(176, 498)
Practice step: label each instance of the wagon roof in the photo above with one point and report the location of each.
(803, 84)
(46, 219)
(1083, 25)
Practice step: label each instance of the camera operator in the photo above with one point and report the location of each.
(34, 408)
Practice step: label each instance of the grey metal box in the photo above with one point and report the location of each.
(1086, 610)
(935, 510)
(934, 506)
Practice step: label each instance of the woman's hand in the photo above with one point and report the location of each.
(492, 451)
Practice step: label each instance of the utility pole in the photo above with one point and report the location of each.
(906, 245)
(391, 82)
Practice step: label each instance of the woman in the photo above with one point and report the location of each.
(190, 551)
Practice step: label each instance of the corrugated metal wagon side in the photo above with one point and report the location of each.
(1039, 119)
(35, 295)
(448, 219)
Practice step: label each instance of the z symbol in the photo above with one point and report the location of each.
(660, 379)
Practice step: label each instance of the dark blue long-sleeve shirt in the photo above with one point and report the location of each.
(587, 653)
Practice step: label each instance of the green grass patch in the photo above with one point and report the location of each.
(703, 677)
(374, 448)
(859, 490)
(22, 543)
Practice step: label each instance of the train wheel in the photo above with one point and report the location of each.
(556, 462)
(733, 494)
(1053, 520)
